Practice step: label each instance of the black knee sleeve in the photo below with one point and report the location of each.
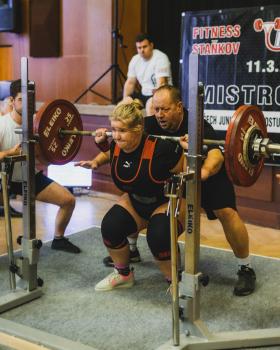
(116, 225)
(158, 236)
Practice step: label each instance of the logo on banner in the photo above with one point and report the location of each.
(269, 28)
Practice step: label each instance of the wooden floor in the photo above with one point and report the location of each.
(91, 208)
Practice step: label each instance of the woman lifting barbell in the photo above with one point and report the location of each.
(140, 164)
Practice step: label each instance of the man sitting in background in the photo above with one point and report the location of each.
(150, 68)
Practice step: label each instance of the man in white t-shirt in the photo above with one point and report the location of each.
(46, 190)
(150, 68)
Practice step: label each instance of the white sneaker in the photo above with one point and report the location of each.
(114, 281)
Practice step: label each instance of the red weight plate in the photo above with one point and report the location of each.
(238, 171)
(51, 117)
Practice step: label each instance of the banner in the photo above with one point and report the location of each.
(239, 63)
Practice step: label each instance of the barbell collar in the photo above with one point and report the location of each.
(272, 148)
(265, 148)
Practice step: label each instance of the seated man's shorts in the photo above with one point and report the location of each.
(141, 97)
(41, 182)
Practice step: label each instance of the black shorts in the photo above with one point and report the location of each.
(41, 182)
(145, 210)
(141, 97)
(217, 193)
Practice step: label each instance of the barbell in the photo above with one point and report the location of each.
(58, 128)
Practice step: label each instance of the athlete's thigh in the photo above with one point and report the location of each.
(125, 202)
(162, 209)
(54, 194)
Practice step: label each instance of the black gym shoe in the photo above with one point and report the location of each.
(13, 212)
(246, 281)
(65, 245)
(134, 258)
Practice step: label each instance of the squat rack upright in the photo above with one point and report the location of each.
(24, 282)
(195, 334)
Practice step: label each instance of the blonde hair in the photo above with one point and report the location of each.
(129, 112)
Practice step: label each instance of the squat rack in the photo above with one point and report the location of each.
(24, 281)
(195, 334)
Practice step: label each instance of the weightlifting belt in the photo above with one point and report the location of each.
(144, 200)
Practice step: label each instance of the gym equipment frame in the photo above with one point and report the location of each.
(25, 267)
(195, 334)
